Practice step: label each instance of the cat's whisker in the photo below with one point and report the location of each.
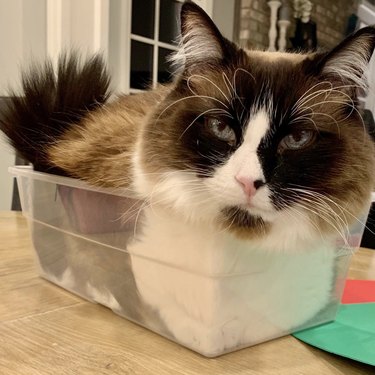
(340, 207)
(300, 104)
(312, 88)
(314, 198)
(332, 118)
(306, 118)
(290, 211)
(232, 89)
(187, 98)
(338, 89)
(228, 85)
(170, 173)
(318, 203)
(129, 214)
(302, 107)
(216, 159)
(210, 81)
(234, 85)
(196, 118)
(314, 113)
(321, 103)
(313, 93)
(242, 114)
(349, 103)
(228, 226)
(354, 109)
(340, 220)
(137, 218)
(329, 220)
(316, 195)
(243, 71)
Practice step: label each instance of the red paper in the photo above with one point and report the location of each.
(359, 291)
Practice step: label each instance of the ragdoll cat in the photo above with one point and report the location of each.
(246, 158)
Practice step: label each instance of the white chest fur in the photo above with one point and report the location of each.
(216, 293)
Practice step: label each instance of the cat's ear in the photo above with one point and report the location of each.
(348, 61)
(201, 41)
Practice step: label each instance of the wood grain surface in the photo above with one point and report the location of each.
(46, 330)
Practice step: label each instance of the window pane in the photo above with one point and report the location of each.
(164, 67)
(169, 28)
(143, 14)
(141, 65)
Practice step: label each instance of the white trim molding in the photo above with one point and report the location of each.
(80, 24)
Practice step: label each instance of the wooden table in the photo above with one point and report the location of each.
(46, 330)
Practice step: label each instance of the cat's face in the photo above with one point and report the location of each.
(254, 139)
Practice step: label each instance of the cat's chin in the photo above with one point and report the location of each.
(243, 223)
(280, 230)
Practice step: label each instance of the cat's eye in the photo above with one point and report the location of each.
(297, 140)
(221, 130)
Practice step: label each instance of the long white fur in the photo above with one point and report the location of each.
(220, 293)
(351, 63)
(197, 44)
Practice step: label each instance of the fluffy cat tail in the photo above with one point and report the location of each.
(53, 100)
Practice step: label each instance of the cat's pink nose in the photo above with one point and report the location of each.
(248, 185)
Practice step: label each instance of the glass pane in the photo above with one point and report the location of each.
(169, 28)
(164, 67)
(140, 65)
(143, 14)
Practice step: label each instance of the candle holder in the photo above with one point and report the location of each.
(272, 33)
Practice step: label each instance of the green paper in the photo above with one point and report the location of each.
(351, 335)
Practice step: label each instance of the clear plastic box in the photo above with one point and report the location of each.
(83, 243)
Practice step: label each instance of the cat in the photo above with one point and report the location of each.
(250, 165)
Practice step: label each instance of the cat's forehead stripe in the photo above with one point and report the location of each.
(257, 128)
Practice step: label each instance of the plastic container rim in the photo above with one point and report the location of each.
(28, 171)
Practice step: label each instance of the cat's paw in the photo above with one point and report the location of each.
(207, 339)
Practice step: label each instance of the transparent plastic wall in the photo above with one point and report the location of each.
(82, 243)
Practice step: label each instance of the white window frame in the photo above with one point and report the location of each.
(366, 15)
(104, 26)
(155, 43)
(79, 24)
(123, 84)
